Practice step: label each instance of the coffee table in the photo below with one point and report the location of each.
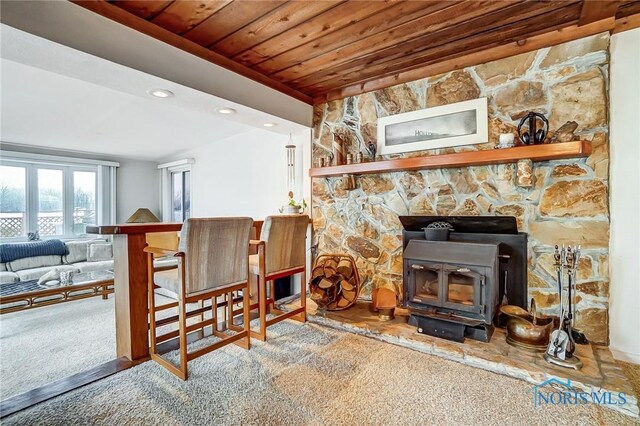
(29, 294)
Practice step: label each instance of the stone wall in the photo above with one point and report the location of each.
(569, 203)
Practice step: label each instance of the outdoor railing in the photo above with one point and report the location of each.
(14, 224)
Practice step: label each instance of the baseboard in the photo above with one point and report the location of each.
(625, 356)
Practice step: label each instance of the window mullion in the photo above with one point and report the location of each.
(32, 201)
(68, 201)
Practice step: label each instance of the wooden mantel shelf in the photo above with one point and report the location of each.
(553, 151)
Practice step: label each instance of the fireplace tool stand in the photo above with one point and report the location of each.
(562, 344)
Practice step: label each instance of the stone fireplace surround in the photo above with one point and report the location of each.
(567, 205)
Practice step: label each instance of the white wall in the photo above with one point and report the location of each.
(137, 185)
(624, 309)
(244, 175)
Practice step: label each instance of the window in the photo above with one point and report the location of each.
(13, 205)
(84, 200)
(176, 190)
(180, 195)
(54, 199)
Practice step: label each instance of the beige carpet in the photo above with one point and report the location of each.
(41, 345)
(308, 375)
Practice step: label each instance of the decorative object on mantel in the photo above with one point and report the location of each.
(506, 141)
(143, 215)
(533, 135)
(384, 301)
(460, 123)
(544, 152)
(524, 173)
(321, 162)
(527, 330)
(335, 282)
(338, 151)
(371, 147)
(562, 344)
(566, 133)
(359, 157)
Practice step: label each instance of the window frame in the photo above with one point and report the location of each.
(166, 183)
(32, 163)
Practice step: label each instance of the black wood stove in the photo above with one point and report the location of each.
(453, 288)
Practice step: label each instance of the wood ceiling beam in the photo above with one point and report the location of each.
(466, 35)
(515, 48)
(123, 17)
(597, 10)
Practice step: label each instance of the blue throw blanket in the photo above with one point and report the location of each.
(13, 251)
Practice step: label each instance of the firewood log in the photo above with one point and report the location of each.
(346, 285)
(345, 268)
(343, 303)
(330, 266)
(325, 283)
(317, 271)
(334, 282)
(349, 295)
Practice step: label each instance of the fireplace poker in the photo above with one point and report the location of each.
(562, 344)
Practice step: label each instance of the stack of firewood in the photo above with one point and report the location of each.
(335, 282)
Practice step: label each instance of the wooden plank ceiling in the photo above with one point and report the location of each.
(318, 50)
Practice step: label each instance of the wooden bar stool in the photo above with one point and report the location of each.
(281, 253)
(213, 262)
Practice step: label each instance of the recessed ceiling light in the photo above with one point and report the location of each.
(269, 124)
(226, 110)
(160, 93)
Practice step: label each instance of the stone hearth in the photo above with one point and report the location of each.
(600, 371)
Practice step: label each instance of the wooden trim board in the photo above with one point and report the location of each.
(35, 396)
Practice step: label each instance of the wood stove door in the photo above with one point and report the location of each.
(425, 284)
(462, 289)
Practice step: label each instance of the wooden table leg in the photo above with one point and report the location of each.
(130, 283)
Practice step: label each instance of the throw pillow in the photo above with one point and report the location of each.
(99, 252)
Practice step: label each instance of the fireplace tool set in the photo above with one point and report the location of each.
(562, 343)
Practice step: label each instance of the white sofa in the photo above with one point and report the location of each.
(82, 256)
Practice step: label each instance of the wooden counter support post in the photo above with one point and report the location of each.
(130, 284)
(130, 271)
